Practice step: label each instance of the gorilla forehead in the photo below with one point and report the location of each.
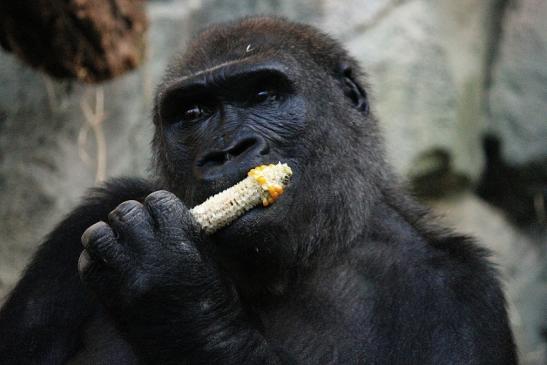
(260, 37)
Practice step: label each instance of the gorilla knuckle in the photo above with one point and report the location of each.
(101, 243)
(127, 210)
(163, 201)
(161, 197)
(98, 232)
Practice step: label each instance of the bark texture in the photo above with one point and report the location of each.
(87, 40)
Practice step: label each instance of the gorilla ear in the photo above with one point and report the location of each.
(352, 89)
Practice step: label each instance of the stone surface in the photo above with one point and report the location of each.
(425, 63)
(518, 94)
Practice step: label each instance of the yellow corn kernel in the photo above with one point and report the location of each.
(273, 192)
(261, 180)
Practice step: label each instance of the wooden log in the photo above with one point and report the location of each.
(87, 40)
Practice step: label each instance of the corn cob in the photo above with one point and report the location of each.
(263, 185)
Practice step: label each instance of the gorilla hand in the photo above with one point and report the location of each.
(146, 269)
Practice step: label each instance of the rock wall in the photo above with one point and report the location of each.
(444, 74)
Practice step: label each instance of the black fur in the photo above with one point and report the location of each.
(344, 268)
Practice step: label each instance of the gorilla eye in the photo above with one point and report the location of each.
(195, 112)
(263, 96)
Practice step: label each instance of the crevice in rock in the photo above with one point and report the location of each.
(519, 191)
(435, 176)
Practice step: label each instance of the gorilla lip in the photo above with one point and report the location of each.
(263, 185)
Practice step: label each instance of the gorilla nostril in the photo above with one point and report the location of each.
(252, 146)
(241, 147)
(213, 158)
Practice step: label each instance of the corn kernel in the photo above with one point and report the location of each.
(272, 190)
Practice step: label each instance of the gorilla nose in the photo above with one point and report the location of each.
(241, 150)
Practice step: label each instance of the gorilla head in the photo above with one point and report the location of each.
(260, 91)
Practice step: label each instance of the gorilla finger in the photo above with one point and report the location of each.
(130, 220)
(101, 244)
(84, 261)
(167, 211)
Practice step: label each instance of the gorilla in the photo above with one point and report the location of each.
(345, 268)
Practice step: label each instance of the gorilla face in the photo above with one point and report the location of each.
(261, 96)
(218, 124)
